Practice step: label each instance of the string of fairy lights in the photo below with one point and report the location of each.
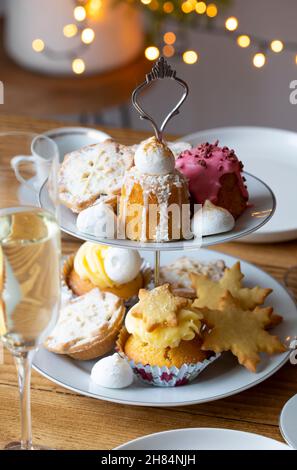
(185, 13)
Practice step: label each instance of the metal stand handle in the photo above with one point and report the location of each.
(160, 70)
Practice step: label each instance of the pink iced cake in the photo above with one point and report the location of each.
(215, 173)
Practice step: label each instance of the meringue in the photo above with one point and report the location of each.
(121, 265)
(98, 220)
(112, 372)
(212, 220)
(154, 158)
(106, 266)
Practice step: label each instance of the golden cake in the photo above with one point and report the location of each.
(154, 203)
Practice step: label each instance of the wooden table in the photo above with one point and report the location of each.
(65, 420)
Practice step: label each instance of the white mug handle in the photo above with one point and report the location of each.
(15, 162)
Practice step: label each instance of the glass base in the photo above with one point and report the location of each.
(18, 446)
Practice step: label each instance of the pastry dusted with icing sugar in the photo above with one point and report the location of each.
(155, 198)
(178, 274)
(94, 170)
(214, 174)
(88, 326)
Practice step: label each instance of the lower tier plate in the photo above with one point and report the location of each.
(221, 379)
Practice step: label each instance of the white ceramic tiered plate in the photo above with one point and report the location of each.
(203, 439)
(288, 420)
(221, 379)
(271, 154)
(262, 206)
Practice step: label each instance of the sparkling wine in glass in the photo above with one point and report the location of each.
(29, 257)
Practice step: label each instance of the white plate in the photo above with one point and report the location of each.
(288, 422)
(262, 206)
(221, 379)
(203, 439)
(270, 154)
(69, 139)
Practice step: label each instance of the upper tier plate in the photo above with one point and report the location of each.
(261, 208)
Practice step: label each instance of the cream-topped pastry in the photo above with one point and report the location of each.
(163, 319)
(153, 157)
(211, 220)
(155, 199)
(110, 268)
(106, 265)
(189, 325)
(112, 372)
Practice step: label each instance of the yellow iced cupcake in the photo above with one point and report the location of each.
(161, 339)
(110, 269)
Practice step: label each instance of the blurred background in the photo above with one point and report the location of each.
(80, 60)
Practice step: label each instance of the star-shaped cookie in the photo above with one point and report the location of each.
(209, 292)
(158, 307)
(243, 332)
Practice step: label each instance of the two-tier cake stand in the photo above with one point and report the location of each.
(225, 377)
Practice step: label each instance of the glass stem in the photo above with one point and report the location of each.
(23, 363)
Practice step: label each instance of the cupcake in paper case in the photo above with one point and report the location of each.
(161, 339)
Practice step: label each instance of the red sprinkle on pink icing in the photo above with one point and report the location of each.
(205, 165)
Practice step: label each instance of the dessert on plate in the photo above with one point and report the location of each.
(178, 274)
(93, 171)
(112, 372)
(154, 197)
(162, 339)
(215, 174)
(111, 269)
(87, 326)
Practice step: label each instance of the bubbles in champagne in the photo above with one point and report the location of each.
(29, 276)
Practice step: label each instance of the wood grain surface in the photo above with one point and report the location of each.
(65, 420)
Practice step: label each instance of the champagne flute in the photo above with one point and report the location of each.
(29, 257)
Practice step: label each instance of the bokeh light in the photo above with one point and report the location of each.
(259, 60)
(152, 53)
(200, 8)
(80, 13)
(87, 35)
(243, 40)
(38, 45)
(211, 10)
(276, 45)
(190, 57)
(168, 50)
(169, 38)
(231, 23)
(78, 66)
